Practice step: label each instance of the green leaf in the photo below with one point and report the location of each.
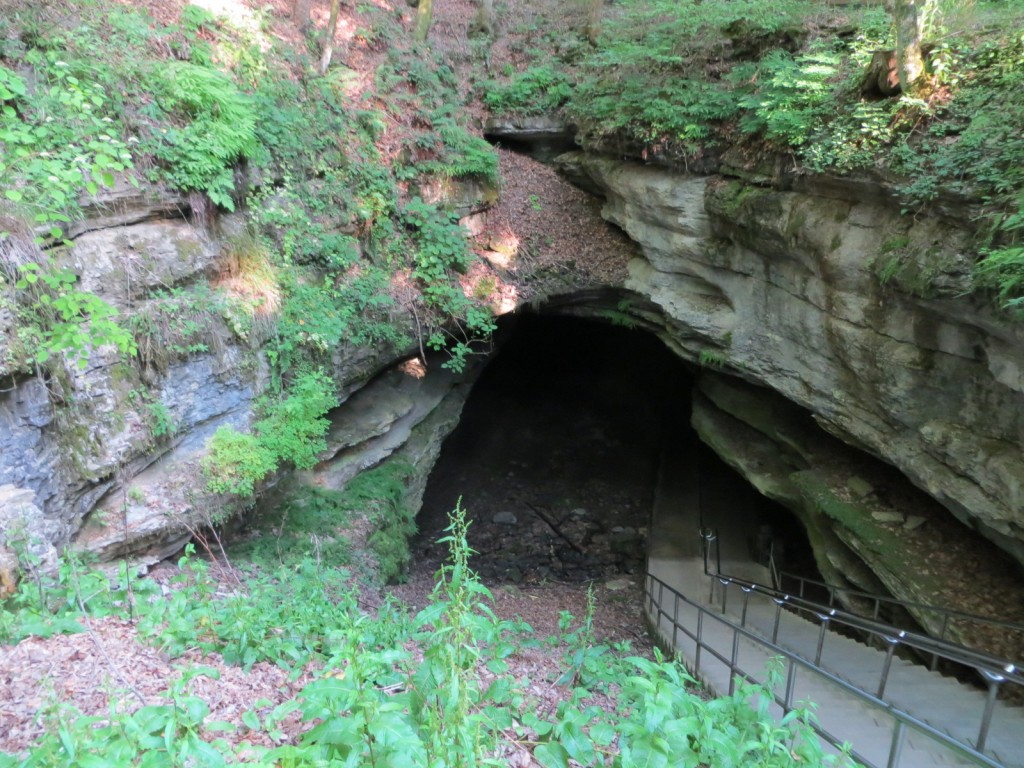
(551, 755)
(13, 195)
(602, 733)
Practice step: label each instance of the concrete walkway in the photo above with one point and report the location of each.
(943, 703)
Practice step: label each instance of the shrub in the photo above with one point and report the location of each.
(57, 139)
(539, 90)
(292, 430)
(235, 462)
(216, 128)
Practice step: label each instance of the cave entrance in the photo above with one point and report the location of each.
(576, 430)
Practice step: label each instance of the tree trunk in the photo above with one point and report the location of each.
(300, 14)
(332, 27)
(882, 77)
(484, 22)
(909, 16)
(424, 15)
(594, 13)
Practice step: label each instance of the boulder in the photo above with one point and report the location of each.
(25, 538)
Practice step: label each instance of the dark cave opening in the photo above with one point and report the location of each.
(558, 452)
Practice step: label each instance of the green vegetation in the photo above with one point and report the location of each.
(537, 91)
(290, 431)
(173, 324)
(684, 81)
(213, 127)
(388, 688)
(101, 101)
(59, 138)
(439, 145)
(60, 319)
(712, 358)
(380, 494)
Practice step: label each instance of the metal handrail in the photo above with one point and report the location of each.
(994, 671)
(901, 719)
(879, 600)
(923, 643)
(934, 646)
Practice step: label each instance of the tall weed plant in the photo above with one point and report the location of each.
(391, 690)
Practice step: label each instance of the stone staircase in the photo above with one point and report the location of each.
(916, 718)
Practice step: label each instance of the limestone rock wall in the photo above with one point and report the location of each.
(845, 308)
(107, 458)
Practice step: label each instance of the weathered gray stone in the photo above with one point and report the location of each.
(204, 392)
(463, 197)
(124, 264)
(127, 203)
(614, 585)
(26, 537)
(893, 518)
(802, 468)
(859, 487)
(505, 518)
(544, 136)
(784, 287)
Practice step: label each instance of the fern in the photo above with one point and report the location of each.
(792, 95)
(218, 128)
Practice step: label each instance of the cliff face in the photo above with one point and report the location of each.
(831, 298)
(107, 457)
(845, 317)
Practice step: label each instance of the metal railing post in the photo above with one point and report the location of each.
(675, 621)
(700, 639)
(934, 663)
(746, 601)
(825, 618)
(778, 617)
(994, 679)
(896, 747)
(787, 702)
(893, 642)
(733, 658)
